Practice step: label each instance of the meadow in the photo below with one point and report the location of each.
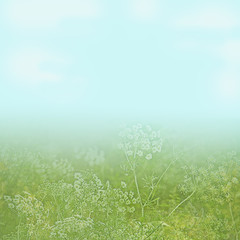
(144, 185)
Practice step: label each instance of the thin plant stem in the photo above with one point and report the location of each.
(138, 191)
(136, 183)
(159, 180)
(18, 232)
(234, 223)
(154, 230)
(181, 203)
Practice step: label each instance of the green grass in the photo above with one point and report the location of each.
(148, 188)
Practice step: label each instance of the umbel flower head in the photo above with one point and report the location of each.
(140, 142)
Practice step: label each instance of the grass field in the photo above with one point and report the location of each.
(146, 186)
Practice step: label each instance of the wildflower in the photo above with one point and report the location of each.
(131, 194)
(134, 200)
(140, 153)
(7, 198)
(129, 153)
(154, 149)
(159, 148)
(11, 205)
(131, 210)
(154, 134)
(77, 175)
(146, 146)
(149, 156)
(235, 180)
(121, 209)
(123, 184)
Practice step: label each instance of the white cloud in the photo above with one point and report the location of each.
(228, 86)
(144, 9)
(27, 66)
(209, 18)
(48, 13)
(226, 82)
(189, 44)
(230, 52)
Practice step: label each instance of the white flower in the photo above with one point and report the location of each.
(139, 153)
(154, 134)
(235, 180)
(159, 148)
(149, 156)
(146, 146)
(123, 184)
(11, 205)
(154, 149)
(129, 153)
(77, 175)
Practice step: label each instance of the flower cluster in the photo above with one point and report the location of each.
(93, 156)
(84, 208)
(140, 142)
(73, 227)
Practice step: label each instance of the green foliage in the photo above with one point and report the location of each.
(159, 192)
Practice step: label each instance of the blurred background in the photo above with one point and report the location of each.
(69, 67)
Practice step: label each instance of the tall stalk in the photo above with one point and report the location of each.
(233, 220)
(133, 169)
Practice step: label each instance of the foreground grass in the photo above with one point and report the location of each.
(149, 188)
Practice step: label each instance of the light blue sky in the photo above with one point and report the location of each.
(102, 59)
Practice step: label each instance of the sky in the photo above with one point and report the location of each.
(103, 60)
